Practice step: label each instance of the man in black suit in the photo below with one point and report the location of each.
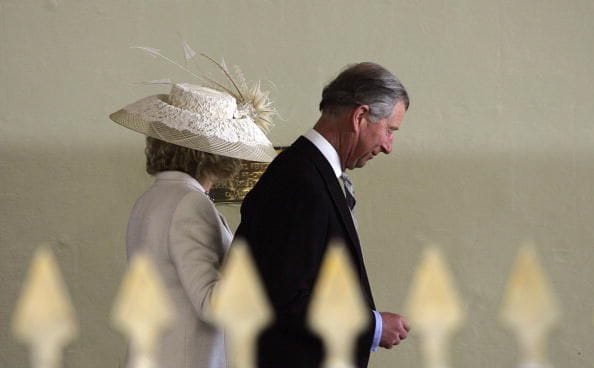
(299, 205)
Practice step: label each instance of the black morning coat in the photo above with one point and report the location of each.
(293, 212)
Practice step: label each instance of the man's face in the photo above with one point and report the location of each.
(376, 137)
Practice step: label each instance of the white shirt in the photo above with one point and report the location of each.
(326, 149)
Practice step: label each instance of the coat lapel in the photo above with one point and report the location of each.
(337, 195)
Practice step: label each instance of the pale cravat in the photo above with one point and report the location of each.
(349, 192)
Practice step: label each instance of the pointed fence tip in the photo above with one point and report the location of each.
(44, 309)
(433, 299)
(529, 301)
(142, 309)
(240, 281)
(338, 312)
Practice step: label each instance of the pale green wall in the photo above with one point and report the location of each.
(497, 148)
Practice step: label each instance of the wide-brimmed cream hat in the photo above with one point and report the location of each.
(200, 118)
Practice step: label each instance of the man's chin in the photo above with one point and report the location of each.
(360, 164)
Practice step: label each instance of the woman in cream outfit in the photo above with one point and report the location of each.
(175, 221)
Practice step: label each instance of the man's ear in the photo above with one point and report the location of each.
(358, 116)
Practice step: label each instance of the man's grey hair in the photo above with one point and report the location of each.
(364, 84)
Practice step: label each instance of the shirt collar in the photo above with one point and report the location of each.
(327, 150)
(180, 176)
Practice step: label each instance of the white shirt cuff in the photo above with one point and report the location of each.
(377, 334)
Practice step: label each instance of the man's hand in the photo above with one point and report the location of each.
(395, 329)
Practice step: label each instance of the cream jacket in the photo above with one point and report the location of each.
(177, 224)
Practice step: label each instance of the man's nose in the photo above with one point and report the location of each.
(387, 146)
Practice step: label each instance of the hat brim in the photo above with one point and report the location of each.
(145, 116)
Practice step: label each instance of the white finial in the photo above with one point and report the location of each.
(240, 307)
(44, 317)
(434, 308)
(142, 311)
(529, 307)
(337, 312)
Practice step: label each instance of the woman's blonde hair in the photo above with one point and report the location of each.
(164, 156)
